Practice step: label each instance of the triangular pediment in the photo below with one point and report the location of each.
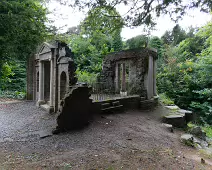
(45, 48)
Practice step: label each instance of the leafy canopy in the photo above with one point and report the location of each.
(142, 11)
(22, 29)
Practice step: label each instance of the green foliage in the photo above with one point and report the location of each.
(144, 11)
(13, 79)
(155, 42)
(22, 28)
(177, 35)
(137, 42)
(98, 20)
(117, 44)
(6, 73)
(165, 99)
(12, 94)
(89, 52)
(206, 128)
(96, 40)
(86, 77)
(186, 75)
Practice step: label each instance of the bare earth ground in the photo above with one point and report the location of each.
(133, 140)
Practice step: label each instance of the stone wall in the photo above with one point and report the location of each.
(138, 60)
(129, 103)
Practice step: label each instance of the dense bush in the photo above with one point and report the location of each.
(86, 77)
(13, 80)
(186, 75)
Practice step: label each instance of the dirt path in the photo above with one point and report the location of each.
(131, 140)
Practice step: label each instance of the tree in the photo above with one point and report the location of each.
(96, 39)
(102, 23)
(22, 28)
(167, 38)
(186, 77)
(178, 34)
(74, 30)
(175, 36)
(137, 42)
(143, 12)
(117, 44)
(155, 42)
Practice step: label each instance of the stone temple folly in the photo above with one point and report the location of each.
(131, 72)
(50, 74)
(128, 78)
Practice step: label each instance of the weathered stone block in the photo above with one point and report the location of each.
(175, 120)
(75, 109)
(197, 131)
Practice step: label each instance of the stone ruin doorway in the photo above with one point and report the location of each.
(122, 77)
(63, 86)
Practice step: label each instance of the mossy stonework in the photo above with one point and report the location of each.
(133, 71)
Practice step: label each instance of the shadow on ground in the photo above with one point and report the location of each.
(129, 140)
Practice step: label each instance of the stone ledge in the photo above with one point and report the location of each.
(175, 120)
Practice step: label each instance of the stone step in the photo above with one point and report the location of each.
(147, 104)
(174, 107)
(176, 120)
(189, 116)
(116, 103)
(113, 108)
(105, 105)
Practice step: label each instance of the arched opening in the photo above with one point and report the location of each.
(37, 81)
(62, 85)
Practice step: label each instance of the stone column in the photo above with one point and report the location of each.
(150, 81)
(155, 74)
(51, 84)
(117, 78)
(41, 84)
(123, 83)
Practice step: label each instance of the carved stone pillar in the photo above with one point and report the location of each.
(41, 84)
(117, 78)
(155, 71)
(123, 83)
(150, 82)
(51, 85)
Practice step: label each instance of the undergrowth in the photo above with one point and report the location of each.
(206, 128)
(165, 99)
(12, 94)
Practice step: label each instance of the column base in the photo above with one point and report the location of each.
(51, 109)
(123, 93)
(47, 108)
(40, 102)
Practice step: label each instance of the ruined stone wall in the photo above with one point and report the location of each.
(138, 69)
(138, 59)
(107, 75)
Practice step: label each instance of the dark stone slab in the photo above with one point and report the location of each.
(75, 110)
(116, 103)
(45, 133)
(175, 120)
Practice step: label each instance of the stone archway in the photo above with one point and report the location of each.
(63, 82)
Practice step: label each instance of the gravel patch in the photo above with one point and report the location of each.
(130, 140)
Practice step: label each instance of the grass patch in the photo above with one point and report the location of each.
(165, 99)
(12, 94)
(206, 128)
(205, 154)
